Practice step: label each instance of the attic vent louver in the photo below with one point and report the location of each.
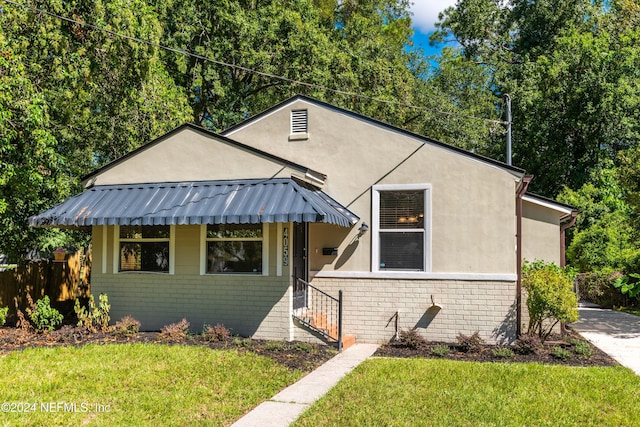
(299, 123)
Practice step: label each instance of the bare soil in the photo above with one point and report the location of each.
(545, 353)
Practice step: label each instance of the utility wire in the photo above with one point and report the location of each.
(250, 70)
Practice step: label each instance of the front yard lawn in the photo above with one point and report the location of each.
(135, 385)
(430, 392)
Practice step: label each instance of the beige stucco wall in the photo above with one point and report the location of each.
(472, 202)
(540, 233)
(251, 305)
(189, 155)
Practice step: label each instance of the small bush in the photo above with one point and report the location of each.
(242, 342)
(503, 352)
(274, 346)
(215, 333)
(583, 350)
(3, 315)
(127, 327)
(561, 353)
(410, 339)
(43, 316)
(550, 297)
(175, 331)
(303, 347)
(527, 344)
(94, 318)
(440, 350)
(470, 343)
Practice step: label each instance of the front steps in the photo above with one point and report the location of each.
(318, 322)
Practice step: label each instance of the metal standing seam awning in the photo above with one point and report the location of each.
(251, 201)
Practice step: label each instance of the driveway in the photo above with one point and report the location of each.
(614, 332)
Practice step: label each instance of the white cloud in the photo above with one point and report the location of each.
(425, 13)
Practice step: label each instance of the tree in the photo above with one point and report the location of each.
(603, 239)
(74, 98)
(29, 175)
(353, 47)
(568, 67)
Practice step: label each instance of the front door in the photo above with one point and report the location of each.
(300, 266)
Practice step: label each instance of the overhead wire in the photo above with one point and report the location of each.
(250, 70)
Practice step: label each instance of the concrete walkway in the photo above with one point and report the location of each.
(614, 332)
(286, 406)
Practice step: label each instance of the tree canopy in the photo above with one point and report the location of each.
(571, 69)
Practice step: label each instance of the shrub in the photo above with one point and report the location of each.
(527, 344)
(274, 346)
(599, 288)
(410, 338)
(175, 331)
(43, 316)
(583, 350)
(629, 285)
(550, 297)
(215, 333)
(470, 343)
(503, 352)
(303, 347)
(3, 315)
(561, 353)
(127, 327)
(440, 350)
(94, 318)
(242, 342)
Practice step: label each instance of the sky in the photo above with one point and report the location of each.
(425, 16)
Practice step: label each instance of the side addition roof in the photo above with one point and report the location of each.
(201, 202)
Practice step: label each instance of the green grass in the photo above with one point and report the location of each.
(136, 385)
(430, 392)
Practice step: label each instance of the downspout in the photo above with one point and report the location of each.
(520, 193)
(563, 227)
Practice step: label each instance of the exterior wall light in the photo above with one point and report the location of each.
(363, 229)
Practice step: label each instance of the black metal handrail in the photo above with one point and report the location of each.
(320, 312)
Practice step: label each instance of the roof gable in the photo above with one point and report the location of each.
(192, 153)
(422, 139)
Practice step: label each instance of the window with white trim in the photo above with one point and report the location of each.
(144, 248)
(401, 228)
(234, 248)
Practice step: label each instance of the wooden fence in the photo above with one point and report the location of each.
(63, 282)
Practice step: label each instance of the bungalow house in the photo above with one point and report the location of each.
(310, 222)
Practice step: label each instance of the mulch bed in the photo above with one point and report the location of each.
(487, 353)
(293, 355)
(303, 356)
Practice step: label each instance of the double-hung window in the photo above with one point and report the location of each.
(234, 248)
(144, 248)
(401, 228)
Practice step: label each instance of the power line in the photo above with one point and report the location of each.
(250, 70)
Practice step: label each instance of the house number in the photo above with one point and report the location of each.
(285, 246)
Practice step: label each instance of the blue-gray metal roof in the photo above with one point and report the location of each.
(200, 202)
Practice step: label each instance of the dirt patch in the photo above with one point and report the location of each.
(571, 349)
(293, 355)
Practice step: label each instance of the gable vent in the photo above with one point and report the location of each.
(299, 122)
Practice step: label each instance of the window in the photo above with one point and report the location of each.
(144, 248)
(234, 248)
(401, 230)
